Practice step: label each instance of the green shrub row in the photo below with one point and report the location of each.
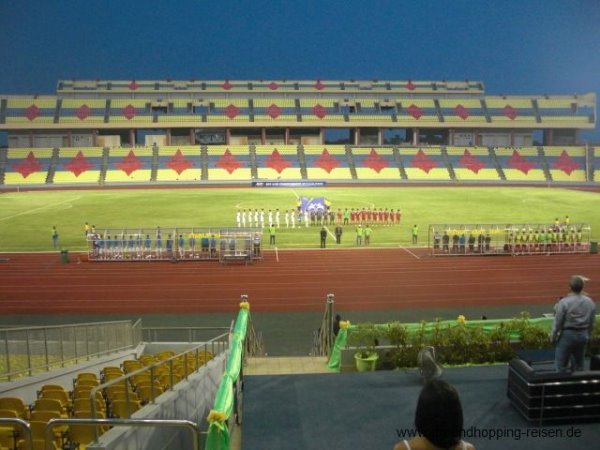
(455, 343)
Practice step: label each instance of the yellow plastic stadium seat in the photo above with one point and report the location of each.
(470, 120)
(88, 152)
(179, 118)
(318, 149)
(482, 174)
(115, 175)
(453, 103)
(140, 120)
(523, 151)
(330, 119)
(555, 103)
(342, 172)
(391, 172)
(515, 102)
(50, 404)
(225, 119)
(87, 376)
(45, 416)
(77, 120)
(124, 409)
(171, 175)
(12, 120)
(569, 120)
(424, 119)
(225, 102)
(370, 118)
(120, 103)
(291, 173)
(518, 119)
(420, 102)
(186, 150)
(90, 176)
(148, 393)
(287, 152)
(517, 175)
(18, 156)
(281, 118)
(363, 173)
(475, 151)
(74, 103)
(190, 153)
(26, 102)
(282, 149)
(571, 151)
(17, 178)
(61, 396)
(20, 153)
(575, 176)
(434, 174)
(131, 365)
(281, 102)
(38, 435)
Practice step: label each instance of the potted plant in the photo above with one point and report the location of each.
(365, 338)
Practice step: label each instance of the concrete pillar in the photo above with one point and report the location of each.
(415, 136)
(357, 136)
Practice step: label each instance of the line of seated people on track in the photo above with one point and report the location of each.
(140, 246)
(119, 400)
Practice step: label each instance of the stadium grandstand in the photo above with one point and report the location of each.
(71, 386)
(117, 132)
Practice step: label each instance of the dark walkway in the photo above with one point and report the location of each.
(366, 410)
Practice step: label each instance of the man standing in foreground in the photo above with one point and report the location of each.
(323, 235)
(573, 325)
(338, 234)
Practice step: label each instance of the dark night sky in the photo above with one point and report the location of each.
(513, 46)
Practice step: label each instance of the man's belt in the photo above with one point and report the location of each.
(574, 329)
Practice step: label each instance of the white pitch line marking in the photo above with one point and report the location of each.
(295, 193)
(330, 233)
(32, 211)
(409, 252)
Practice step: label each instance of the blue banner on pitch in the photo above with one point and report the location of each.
(312, 204)
(288, 183)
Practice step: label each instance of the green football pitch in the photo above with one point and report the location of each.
(26, 218)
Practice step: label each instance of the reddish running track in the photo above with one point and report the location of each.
(298, 280)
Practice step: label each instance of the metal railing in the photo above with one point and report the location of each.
(124, 422)
(24, 426)
(28, 350)
(324, 337)
(179, 334)
(214, 346)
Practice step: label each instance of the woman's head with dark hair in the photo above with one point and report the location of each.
(439, 416)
